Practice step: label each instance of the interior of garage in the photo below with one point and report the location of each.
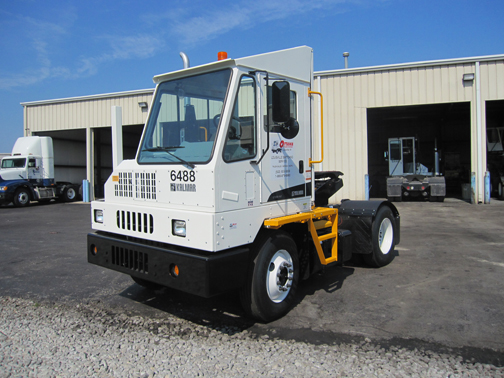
(446, 126)
(70, 153)
(494, 111)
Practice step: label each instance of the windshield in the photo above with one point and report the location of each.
(13, 163)
(183, 123)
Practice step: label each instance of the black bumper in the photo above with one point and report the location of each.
(6, 198)
(201, 273)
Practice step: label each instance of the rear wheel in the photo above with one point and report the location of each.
(22, 197)
(70, 194)
(383, 238)
(272, 283)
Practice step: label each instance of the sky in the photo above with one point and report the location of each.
(56, 49)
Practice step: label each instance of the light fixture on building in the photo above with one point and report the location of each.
(346, 55)
(468, 77)
(143, 104)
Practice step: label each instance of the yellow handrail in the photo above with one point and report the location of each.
(310, 92)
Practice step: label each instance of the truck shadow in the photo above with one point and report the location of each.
(329, 280)
(224, 313)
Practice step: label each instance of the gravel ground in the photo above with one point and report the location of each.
(47, 340)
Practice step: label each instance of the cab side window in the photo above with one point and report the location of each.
(241, 133)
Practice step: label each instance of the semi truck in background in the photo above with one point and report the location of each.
(408, 178)
(223, 194)
(28, 174)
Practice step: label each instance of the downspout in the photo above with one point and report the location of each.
(479, 147)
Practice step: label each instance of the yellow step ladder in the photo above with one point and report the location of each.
(317, 219)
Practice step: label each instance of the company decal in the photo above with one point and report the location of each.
(183, 187)
(183, 181)
(233, 226)
(282, 165)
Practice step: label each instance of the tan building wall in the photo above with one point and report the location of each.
(349, 93)
(85, 112)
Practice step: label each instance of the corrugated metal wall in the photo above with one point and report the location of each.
(349, 93)
(75, 113)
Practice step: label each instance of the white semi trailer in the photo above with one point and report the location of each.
(223, 194)
(28, 174)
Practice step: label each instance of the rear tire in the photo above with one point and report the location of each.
(70, 194)
(270, 291)
(383, 239)
(500, 191)
(22, 197)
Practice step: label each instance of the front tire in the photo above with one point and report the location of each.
(22, 197)
(270, 291)
(383, 239)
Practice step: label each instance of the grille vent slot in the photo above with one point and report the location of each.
(133, 221)
(130, 259)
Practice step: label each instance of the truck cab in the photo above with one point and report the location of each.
(221, 193)
(28, 174)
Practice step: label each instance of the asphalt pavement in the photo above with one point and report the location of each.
(444, 289)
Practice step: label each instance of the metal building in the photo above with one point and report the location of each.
(452, 103)
(81, 131)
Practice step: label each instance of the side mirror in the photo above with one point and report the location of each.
(281, 101)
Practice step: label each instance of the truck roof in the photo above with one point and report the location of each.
(295, 63)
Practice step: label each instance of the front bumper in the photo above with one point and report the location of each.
(6, 197)
(201, 273)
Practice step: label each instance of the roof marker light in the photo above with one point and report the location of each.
(222, 55)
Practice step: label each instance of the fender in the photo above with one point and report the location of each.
(7, 196)
(358, 217)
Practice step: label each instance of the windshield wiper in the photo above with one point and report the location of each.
(168, 150)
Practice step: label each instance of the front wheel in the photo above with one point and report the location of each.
(383, 239)
(271, 286)
(22, 197)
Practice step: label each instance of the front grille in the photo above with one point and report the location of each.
(124, 187)
(130, 259)
(145, 184)
(142, 187)
(133, 221)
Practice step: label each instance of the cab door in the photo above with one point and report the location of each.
(285, 167)
(238, 177)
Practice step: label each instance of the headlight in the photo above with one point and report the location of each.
(179, 228)
(98, 216)
(3, 188)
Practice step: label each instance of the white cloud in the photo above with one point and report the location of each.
(210, 23)
(190, 23)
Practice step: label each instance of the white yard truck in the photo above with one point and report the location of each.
(223, 194)
(28, 174)
(408, 178)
